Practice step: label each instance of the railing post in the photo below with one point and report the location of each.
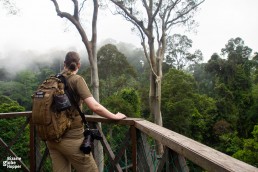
(32, 148)
(134, 147)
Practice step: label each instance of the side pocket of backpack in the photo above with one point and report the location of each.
(42, 113)
(41, 109)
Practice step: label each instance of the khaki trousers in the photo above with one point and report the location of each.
(67, 153)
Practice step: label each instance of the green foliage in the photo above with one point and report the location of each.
(44, 73)
(115, 72)
(8, 105)
(229, 143)
(3, 74)
(204, 80)
(202, 118)
(249, 153)
(10, 127)
(178, 54)
(255, 133)
(111, 62)
(21, 88)
(237, 47)
(126, 101)
(232, 86)
(14, 90)
(183, 110)
(8, 130)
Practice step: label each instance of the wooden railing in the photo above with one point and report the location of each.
(182, 149)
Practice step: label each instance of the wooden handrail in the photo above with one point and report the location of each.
(202, 155)
(14, 114)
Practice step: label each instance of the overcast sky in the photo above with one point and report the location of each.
(38, 28)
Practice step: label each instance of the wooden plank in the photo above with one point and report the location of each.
(109, 151)
(90, 118)
(14, 114)
(134, 147)
(43, 159)
(14, 155)
(97, 118)
(145, 162)
(122, 150)
(163, 160)
(32, 148)
(204, 156)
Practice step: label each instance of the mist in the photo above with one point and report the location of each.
(14, 60)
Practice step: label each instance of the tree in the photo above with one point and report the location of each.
(135, 56)
(236, 47)
(185, 111)
(232, 84)
(114, 70)
(125, 100)
(204, 80)
(178, 54)
(28, 79)
(153, 20)
(112, 62)
(90, 45)
(15, 91)
(8, 105)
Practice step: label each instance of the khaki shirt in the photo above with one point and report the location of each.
(80, 91)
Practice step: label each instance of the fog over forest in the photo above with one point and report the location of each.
(17, 60)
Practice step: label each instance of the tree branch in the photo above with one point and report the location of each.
(131, 16)
(184, 13)
(169, 9)
(76, 23)
(76, 10)
(82, 5)
(157, 9)
(94, 21)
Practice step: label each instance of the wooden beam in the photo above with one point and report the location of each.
(14, 155)
(32, 148)
(109, 151)
(134, 147)
(145, 162)
(14, 114)
(202, 155)
(97, 118)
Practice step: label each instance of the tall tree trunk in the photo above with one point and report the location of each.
(155, 101)
(155, 90)
(98, 149)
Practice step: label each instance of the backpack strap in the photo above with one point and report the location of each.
(70, 94)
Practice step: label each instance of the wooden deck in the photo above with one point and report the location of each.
(184, 148)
